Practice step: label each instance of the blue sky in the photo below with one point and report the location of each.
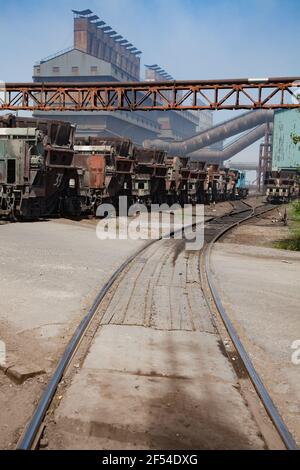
(190, 39)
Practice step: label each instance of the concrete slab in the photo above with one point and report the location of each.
(50, 273)
(156, 375)
(260, 291)
(148, 389)
(21, 372)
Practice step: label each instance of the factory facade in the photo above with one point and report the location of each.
(100, 54)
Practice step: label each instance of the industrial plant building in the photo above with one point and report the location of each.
(100, 54)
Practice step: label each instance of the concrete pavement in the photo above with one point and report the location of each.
(260, 290)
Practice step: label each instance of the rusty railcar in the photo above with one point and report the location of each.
(213, 189)
(149, 177)
(176, 180)
(37, 177)
(105, 167)
(183, 196)
(282, 186)
(198, 183)
(229, 179)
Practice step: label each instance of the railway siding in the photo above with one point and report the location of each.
(155, 375)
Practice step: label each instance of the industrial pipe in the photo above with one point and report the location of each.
(232, 149)
(215, 134)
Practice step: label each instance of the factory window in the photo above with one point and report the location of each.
(38, 70)
(94, 68)
(55, 69)
(75, 69)
(11, 171)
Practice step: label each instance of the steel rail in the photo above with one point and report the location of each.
(267, 401)
(29, 435)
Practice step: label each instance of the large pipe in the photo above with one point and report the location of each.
(232, 149)
(215, 134)
(183, 83)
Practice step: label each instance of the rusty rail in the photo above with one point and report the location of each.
(264, 93)
(260, 388)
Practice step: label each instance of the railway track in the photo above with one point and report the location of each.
(213, 236)
(215, 228)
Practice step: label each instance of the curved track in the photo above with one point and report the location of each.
(214, 229)
(271, 409)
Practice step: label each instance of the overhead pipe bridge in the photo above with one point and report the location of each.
(253, 93)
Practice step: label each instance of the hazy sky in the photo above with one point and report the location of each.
(190, 39)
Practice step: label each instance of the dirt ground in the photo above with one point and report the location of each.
(262, 231)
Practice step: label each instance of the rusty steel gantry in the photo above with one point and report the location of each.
(266, 93)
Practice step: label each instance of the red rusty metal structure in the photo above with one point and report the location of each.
(265, 93)
(265, 158)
